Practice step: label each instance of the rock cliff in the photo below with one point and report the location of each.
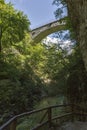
(77, 10)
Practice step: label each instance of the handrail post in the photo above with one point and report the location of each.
(49, 116)
(13, 125)
(72, 109)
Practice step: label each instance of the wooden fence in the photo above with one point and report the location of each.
(49, 117)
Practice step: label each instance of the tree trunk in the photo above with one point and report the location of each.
(0, 46)
(78, 14)
(0, 40)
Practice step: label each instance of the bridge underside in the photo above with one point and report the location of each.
(47, 32)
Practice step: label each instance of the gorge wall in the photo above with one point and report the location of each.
(77, 10)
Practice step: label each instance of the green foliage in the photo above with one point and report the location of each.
(20, 87)
(61, 8)
(62, 13)
(13, 25)
(76, 82)
(65, 73)
(55, 64)
(34, 119)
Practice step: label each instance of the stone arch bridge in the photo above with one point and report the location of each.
(41, 32)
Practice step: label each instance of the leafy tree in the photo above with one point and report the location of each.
(61, 8)
(20, 87)
(76, 82)
(13, 25)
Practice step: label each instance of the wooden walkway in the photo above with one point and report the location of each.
(77, 125)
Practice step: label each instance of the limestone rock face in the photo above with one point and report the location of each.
(78, 13)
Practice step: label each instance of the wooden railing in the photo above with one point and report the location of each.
(49, 117)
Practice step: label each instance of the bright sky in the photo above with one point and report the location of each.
(39, 12)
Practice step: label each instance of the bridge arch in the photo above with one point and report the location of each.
(41, 32)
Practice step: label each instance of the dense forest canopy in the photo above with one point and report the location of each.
(18, 81)
(13, 25)
(29, 72)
